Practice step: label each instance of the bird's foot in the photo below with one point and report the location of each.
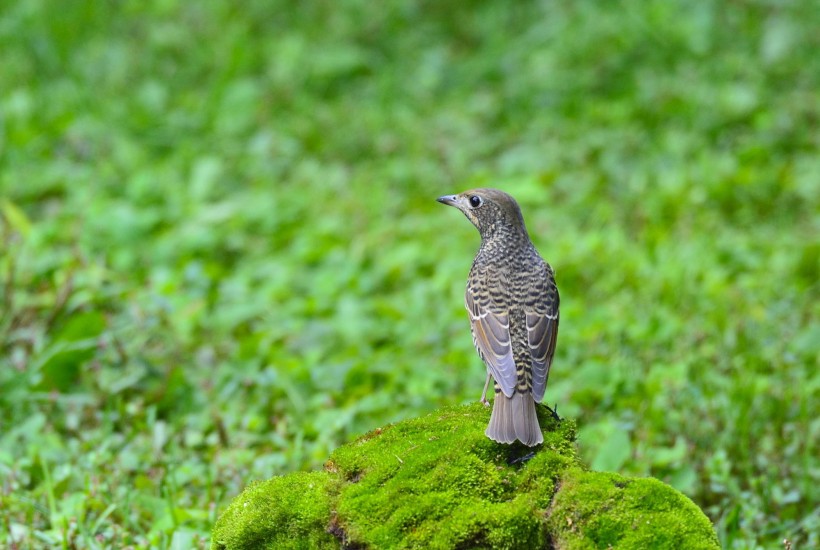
(554, 412)
(521, 459)
(484, 401)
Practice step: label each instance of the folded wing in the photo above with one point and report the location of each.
(542, 332)
(491, 336)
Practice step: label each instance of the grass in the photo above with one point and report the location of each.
(222, 257)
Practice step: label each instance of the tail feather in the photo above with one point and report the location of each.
(514, 418)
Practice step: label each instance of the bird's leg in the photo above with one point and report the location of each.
(484, 393)
(554, 412)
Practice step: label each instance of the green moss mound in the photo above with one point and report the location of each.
(284, 512)
(438, 482)
(604, 510)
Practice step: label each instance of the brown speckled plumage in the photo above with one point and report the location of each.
(513, 305)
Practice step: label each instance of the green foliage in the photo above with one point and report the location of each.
(221, 256)
(438, 482)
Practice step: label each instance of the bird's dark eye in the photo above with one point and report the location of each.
(475, 201)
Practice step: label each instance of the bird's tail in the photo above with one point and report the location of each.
(514, 418)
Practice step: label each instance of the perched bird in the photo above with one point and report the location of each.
(512, 300)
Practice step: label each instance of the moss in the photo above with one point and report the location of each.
(438, 482)
(284, 512)
(605, 510)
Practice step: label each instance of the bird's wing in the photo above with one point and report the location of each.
(491, 337)
(542, 331)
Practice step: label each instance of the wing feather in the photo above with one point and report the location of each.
(542, 334)
(491, 336)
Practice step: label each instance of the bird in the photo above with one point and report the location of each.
(512, 301)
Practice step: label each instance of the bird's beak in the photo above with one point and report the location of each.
(449, 200)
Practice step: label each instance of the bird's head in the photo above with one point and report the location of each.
(493, 212)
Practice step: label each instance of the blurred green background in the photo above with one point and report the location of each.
(222, 257)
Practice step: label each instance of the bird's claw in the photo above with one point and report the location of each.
(484, 402)
(554, 412)
(521, 459)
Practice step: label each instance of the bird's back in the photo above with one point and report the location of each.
(511, 281)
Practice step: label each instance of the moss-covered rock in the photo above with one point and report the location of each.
(604, 510)
(290, 511)
(438, 482)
